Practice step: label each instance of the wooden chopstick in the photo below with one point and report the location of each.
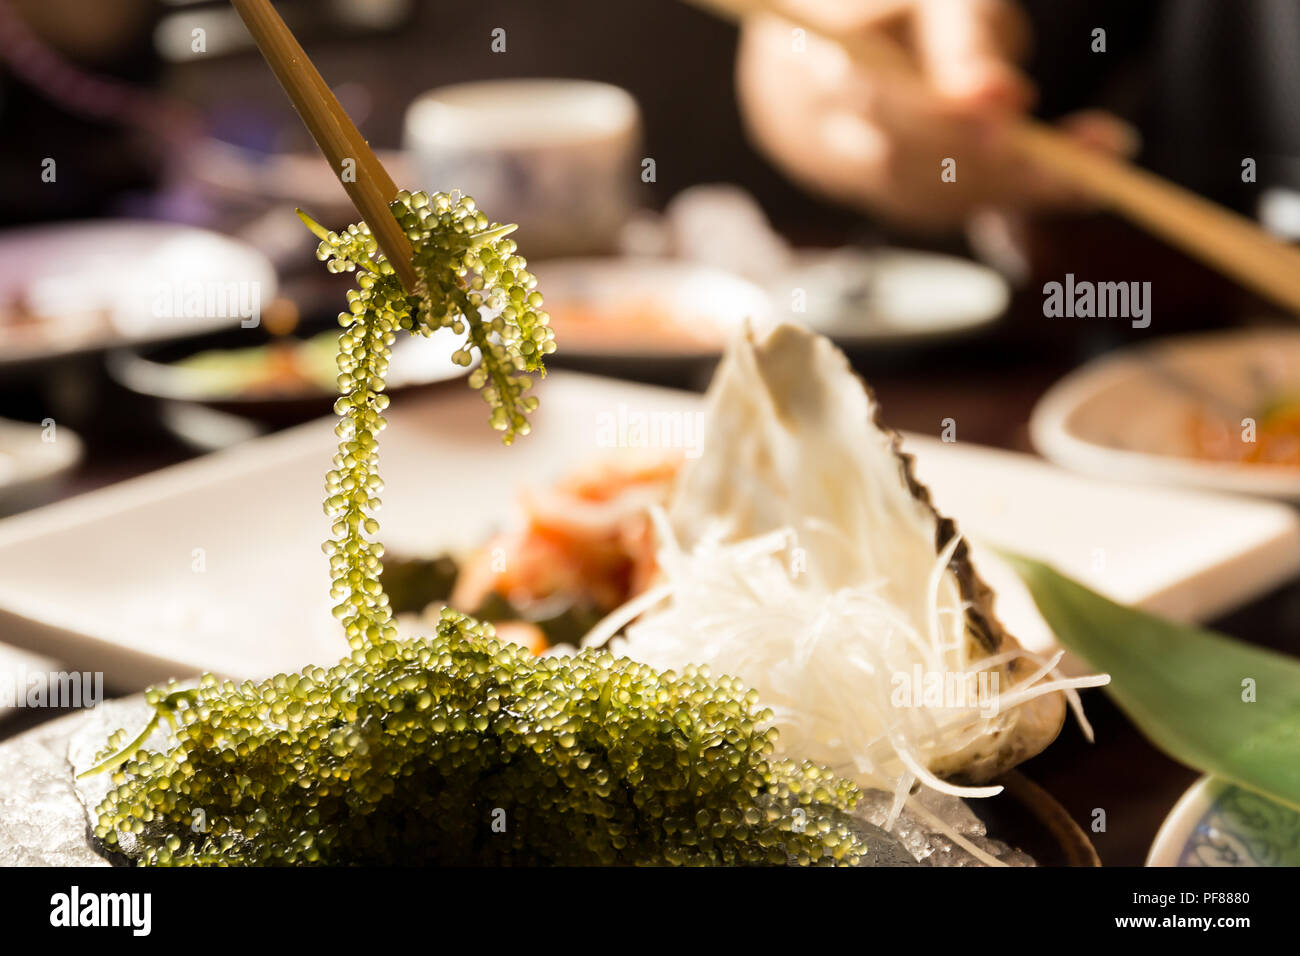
(1223, 239)
(1219, 237)
(364, 178)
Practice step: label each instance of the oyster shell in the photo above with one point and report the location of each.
(796, 441)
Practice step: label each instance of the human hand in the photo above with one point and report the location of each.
(859, 134)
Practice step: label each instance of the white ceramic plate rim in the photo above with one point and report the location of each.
(954, 324)
(1051, 437)
(1182, 821)
(408, 367)
(30, 468)
(425, 431)
(752, 302)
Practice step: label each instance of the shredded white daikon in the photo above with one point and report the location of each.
(838, 668)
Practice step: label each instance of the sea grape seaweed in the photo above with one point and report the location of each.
(464, 264)
(461, 749)
(458, 748)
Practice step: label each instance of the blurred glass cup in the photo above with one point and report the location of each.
(558, 157)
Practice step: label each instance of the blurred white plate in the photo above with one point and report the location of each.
(414, 361)
(82, 286)
(216, 406)
(29, 461)
(1126, 415)
(216, 563)
(876, 296)
(646, 308)
(31, 455)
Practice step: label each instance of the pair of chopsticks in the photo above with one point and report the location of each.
(1229, 242)
(364, 178)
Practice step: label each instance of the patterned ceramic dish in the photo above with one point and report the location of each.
(1218, 824)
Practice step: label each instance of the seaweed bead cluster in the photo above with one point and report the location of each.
(457, 748)
(472, 281)
(461, 749)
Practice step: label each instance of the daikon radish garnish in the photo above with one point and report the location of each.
(836, 667)
(801, 555)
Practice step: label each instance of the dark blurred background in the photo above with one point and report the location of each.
(1207, 81)
(379, 55)
(114, 90)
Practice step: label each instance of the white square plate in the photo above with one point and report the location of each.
(215, 564)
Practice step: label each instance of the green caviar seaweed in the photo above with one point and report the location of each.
(461, 749)
(464, 264)
(457, 748)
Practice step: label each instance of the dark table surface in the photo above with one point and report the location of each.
(988, 384)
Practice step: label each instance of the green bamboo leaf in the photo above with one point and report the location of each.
(1183, 686)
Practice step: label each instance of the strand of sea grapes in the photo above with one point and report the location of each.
(353, 484)
(472, 281)
(475, 282)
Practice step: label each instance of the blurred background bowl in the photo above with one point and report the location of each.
(646, 318)
(1217, 824)
(889, 296)
(559, 155)
(1189, 410)
(32, 457)
(228, 391)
